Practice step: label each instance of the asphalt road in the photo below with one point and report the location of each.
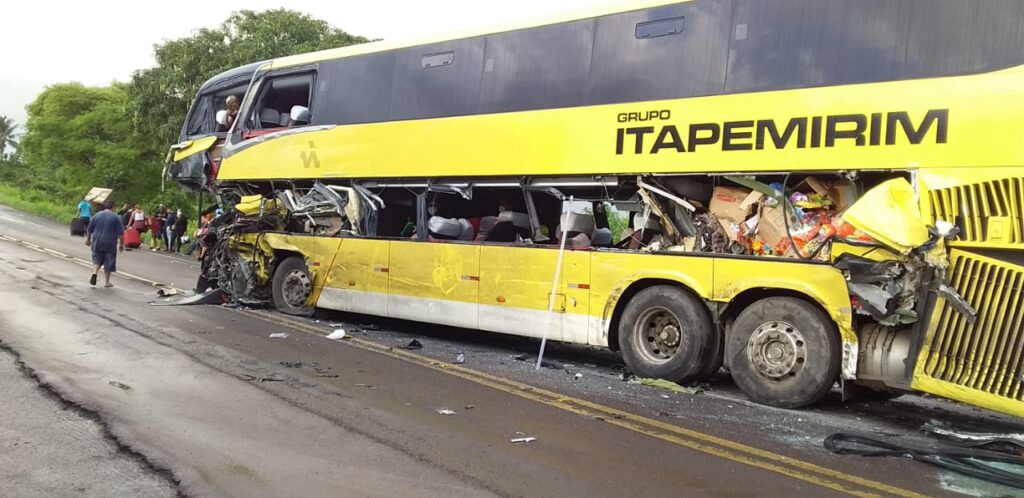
(202, 401)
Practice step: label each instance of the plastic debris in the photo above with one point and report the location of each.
(413, 344)
(578, 376)
(120, 385)
(521, 357)
(527, 439)
(338, 334)
(670, 386)
(279, 335)
(446, 412)
(460, 359)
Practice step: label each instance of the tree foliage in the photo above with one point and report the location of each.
(8, 130)
(78, 137)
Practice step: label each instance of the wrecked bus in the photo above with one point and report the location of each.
(804, 192)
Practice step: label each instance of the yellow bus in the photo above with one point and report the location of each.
(806, 192)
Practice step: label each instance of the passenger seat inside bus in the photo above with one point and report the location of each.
(270, 118)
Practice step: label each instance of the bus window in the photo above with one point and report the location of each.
(398, 218)
(283, 102)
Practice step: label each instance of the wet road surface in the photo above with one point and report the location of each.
(214, 404)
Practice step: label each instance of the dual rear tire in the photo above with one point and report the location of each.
(781, 351)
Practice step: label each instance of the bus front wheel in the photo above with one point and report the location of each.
(665, 332)
(292, 286)
(784, 352)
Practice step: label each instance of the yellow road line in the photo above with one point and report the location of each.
(706, 443)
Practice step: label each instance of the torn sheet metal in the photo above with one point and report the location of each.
(890, 214)
(324, 210)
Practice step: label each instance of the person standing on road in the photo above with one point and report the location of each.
(85, 210)
(106, 237)
(180, 226)
(172, 216)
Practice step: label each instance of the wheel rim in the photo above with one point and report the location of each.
(777, 350)
(657, 334)
(296, 288)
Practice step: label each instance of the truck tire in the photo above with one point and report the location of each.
(665, 332)
(292, 287)
(784, 352)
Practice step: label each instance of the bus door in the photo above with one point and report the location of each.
(434, 281)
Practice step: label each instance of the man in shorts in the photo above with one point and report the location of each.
(106, 237)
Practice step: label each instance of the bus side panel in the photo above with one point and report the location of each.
(434, 282)
(612, 273)
(358, 278)
(515, 289)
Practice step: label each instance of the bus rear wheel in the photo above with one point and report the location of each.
(292, 287)
(784, 352)
(665, 332)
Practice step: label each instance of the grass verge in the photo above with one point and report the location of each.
(35, 203)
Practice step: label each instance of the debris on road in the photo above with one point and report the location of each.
(527, 439)
(445, 411)
(120, 385)
(166, 290)
(670, 386)
(291, 364)
(521, 357)
(413, 344)
(369, 326)
(578, 376)
(469, 407)
(938, 429)
(279, 335)
(460, 359)
(252, 378)
(337, 335)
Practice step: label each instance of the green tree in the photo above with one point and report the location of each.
(161, 95)
(78, 137)
(7, 134)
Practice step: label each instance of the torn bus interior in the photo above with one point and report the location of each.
(867, 224)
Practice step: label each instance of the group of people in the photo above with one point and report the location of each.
(105, 232)
(166, 226)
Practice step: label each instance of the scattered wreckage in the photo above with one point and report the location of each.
(867, 226)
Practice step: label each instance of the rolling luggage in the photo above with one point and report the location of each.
(132, 240)
(77, 227)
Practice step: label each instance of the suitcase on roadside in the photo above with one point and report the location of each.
(132, 240)
(77, 227)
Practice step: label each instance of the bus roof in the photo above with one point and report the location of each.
(230, 78)
(380, 46)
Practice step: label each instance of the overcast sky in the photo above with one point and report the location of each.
(100, 41)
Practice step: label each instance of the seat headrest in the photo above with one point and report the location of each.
(466, 231)
(444, 228)
(577, 222)
(640, 222)
(520, 220)
(270, 118)
(285, 119)
(299, 114)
